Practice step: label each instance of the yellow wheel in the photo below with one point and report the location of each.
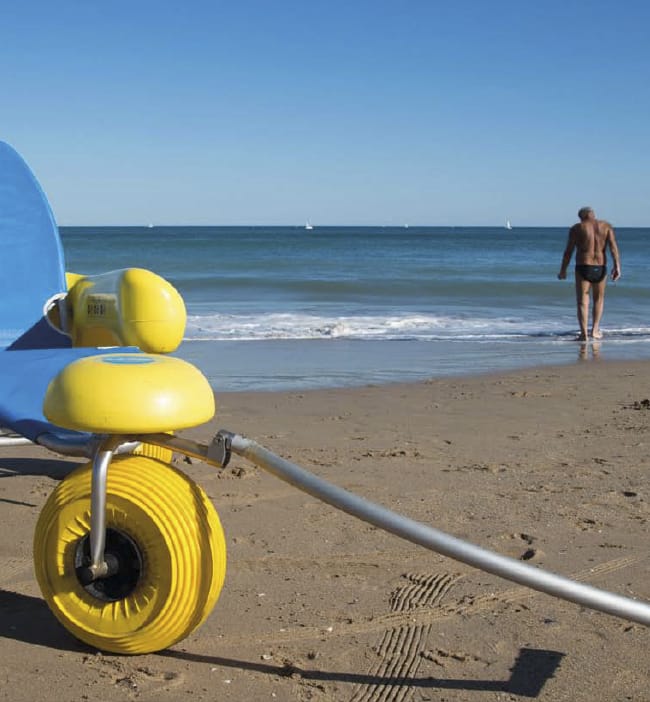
(161, 453)
(168, 542)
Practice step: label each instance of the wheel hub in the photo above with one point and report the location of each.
(125, 566)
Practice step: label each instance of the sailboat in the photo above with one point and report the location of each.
(508, 225)
(308, 225)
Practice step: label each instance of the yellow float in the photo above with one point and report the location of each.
(129, 307)
(128, 393)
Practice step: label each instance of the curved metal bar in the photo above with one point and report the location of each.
(101, 461)
(439, 541)
(81, 445)
(14, 441)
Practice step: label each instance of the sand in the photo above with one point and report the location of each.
(548, 465)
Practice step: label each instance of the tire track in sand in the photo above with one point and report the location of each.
(427, 616)
(400, 648)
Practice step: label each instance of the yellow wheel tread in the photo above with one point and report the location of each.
(161, 453)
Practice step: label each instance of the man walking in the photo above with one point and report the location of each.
(590, 238)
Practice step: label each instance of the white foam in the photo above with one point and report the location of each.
(217, 327)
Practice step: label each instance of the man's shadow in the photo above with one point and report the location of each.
(28, 619)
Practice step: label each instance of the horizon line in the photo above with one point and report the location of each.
(332, 226)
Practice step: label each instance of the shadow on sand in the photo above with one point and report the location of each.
(528, 675)
(53, 468)
(25, 618)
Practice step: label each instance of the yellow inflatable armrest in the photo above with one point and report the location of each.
(128, 307)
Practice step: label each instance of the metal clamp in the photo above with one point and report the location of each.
(219, 451)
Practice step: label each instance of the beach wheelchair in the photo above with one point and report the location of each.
(129, 552)
(130, 559)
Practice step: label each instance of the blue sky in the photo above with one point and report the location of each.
(357, 112)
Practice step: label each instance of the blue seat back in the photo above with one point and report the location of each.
(32, 269)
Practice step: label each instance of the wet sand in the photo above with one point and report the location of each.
(549, 465)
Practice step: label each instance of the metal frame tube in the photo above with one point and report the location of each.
(101, 462)
(82, 445)
(14, 441)
(439, 541)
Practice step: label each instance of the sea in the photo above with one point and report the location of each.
(290, 308)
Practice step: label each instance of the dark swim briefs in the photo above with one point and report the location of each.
(592, 274)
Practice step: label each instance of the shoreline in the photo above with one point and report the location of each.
(546, 464)
(299, 365)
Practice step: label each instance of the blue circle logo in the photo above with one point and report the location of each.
(128, 360)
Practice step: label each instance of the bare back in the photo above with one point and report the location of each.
(591, 238)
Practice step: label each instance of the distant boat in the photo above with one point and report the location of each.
(308, 225)
(508, 225)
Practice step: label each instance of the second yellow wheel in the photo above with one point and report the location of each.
(160, 453)
(167, 540)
